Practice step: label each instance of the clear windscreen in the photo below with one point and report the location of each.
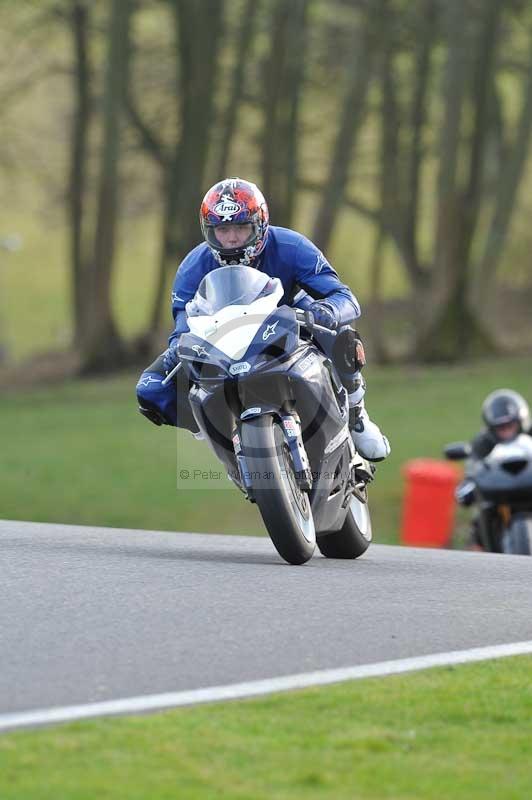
(229, 286)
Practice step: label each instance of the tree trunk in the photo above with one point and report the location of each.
(273, 71)
(401, 128)
(169, 249)
(292, 103)
(351, 120)
(198, 34)
(284, 76)
(437, 332)
(199, 31)
(453, 331)
(230, 117)
(418, 119)
(375, 314)
(79, 21)
(512, 173)
(102, 347)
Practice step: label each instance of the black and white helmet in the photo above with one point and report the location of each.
(504, 406)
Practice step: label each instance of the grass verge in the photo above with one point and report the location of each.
(462, 732)
(81, 454)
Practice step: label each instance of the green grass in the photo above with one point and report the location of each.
(35, 284)
(463, 732)
(82, 454)
(79, 453)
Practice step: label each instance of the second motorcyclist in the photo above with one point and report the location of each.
(505, 414)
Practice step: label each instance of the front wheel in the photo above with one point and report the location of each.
(517, 538)
(284, 507)
(353, 538)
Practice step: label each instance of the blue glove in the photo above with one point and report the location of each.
(170, 356)
(325, 314)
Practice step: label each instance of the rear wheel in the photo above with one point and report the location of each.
(517, 538)
(353, 538)
(284, 507)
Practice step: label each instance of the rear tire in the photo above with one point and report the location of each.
(284, 508)
(353, 538)
(517, 538)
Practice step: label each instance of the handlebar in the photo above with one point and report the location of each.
(306, 318)
(171, 374)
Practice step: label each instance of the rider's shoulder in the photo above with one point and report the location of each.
(291, 244)
(200, 255)
(285, 237)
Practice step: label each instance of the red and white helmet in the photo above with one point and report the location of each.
(234, 201)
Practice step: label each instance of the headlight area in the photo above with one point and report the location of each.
(203, 370)
(276, 351)
(206, 371)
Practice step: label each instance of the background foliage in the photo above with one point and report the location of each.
(396, 134)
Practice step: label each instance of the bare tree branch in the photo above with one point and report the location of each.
(147, 136)
(242, 49)
(352, 116)
(371, 214)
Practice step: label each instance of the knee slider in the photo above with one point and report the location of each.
(154, 416)
(348, 351)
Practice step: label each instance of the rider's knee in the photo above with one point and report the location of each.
(153, 415)
(348, 351)
(156, 400)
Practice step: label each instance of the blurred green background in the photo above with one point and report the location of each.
(395, 134)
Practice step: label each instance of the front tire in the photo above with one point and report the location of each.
(517, 538)
(284, 508)
(353, 538)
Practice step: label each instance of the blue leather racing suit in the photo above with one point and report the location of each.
(305, 274)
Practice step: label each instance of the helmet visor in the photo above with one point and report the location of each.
(229, 238)
(506, 431)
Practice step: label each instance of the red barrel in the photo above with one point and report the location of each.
(428, 511)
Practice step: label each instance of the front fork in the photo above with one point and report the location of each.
(491, 527)
(292, 429)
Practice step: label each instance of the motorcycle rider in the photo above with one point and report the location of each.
(505, 414)
(235, 225)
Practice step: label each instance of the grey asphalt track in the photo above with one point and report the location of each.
(92, 614)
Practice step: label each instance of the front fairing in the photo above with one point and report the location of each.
(505, 476)
(235, 347)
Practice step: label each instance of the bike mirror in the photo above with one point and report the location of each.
(457, 451)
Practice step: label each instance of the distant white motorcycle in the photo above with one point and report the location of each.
(272, 406)
(501, 486)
